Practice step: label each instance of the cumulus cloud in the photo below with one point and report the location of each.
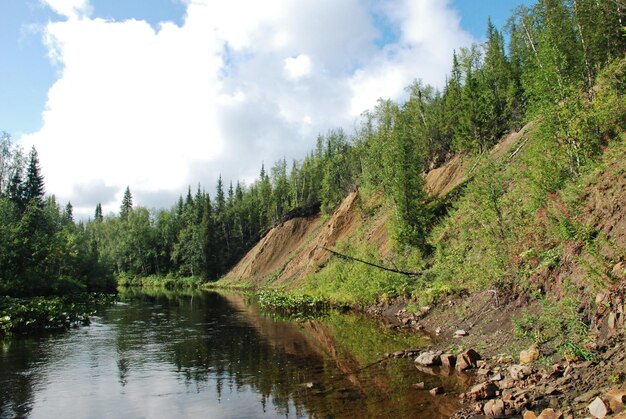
(297, 67)
(238, 83)
(69, 8)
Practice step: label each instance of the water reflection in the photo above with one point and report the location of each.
(194, 354)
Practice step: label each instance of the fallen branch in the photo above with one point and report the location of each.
(341, 255)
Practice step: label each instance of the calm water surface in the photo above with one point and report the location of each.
(213, 355)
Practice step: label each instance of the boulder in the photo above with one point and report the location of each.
(428, 359)
(529, 414)
(494, 408)
(519, 372)
(597, 408)
(529, 355)
(448, 360)
(483, 391)
(467, 360)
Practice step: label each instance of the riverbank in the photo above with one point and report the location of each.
(521, 373)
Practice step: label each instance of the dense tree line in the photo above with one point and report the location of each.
(42, 249)
(546, 69)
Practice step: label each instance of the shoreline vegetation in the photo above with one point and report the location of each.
(34, 314)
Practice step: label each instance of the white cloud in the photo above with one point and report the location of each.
(69, 8)
(238, 83)
(297, 67)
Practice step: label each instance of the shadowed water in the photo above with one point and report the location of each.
(213, 355)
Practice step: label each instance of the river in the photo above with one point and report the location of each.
(163, 354)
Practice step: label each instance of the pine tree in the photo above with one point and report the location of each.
(69, 212)
(127, 204)
(34, 185)
(98, 213)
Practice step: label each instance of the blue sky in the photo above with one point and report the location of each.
(276, 75)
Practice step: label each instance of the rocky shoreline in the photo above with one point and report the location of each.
(534, 382)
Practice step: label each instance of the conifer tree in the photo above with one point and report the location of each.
(69, 212)
(34, 184)
(98, 213)
(127, 204)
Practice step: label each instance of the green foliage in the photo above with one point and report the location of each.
(353, 283)
(292, 303)
(167, 282)
(559, 323)
(21, 315)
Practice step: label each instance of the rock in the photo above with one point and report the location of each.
(507, 383)
(597, 408)
(398, 354)
(496, 377)
(550, 414)
(616, 399)
(601, 297)
(460, 333)
(428, 359)
(478, 408)
(419, 386)
(519, 372)
(437, 390)
(438, 331)
(483, 391)
(530, 415)
(529, 355)
(448, 360)
(484, 371)
(467, 360)
(494, 408)
(587, 397)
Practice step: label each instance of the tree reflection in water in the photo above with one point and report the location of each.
(163, 353)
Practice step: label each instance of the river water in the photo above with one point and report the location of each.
(166, 354)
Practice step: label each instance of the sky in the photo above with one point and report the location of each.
(162, 94)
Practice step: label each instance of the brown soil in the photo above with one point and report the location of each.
(269, 254)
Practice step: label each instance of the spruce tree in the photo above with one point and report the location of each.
(69, 212)
(127, 204)
(34, 185)
(98, 214)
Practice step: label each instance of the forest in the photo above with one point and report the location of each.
(559, 63)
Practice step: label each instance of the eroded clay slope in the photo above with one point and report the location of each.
(293, 250)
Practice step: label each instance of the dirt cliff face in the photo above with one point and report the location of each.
(291, 251)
